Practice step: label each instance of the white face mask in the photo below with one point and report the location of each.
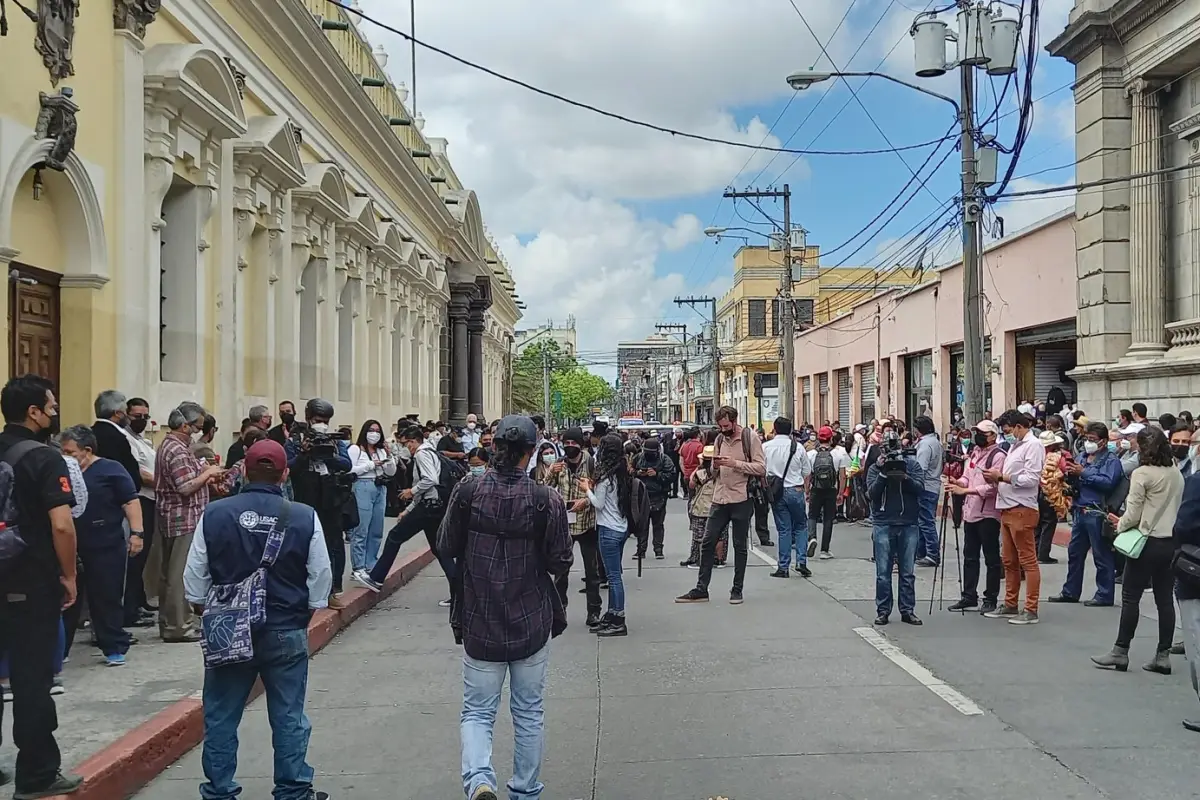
(470, 426)
(373, 437)
(549, 458)
(1125, 444)
(1090, 447)
(319, 427)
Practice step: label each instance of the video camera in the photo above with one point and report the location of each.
(893, 464)
(321, 445)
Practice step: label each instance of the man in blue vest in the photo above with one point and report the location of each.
(226, 548)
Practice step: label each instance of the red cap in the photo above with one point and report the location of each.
(825, 434)
(267, 451)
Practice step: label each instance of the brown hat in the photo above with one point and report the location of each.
(267, 451)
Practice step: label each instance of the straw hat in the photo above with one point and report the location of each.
(710, 451)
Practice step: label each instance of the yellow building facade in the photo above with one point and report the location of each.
(228, 201)
(749, 319)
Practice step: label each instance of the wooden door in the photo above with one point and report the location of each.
(34, 343)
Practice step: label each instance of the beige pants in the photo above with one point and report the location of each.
(175, 617)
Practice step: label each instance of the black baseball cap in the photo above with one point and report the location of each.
(517, 429)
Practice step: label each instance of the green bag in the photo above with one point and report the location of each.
(1130, 543)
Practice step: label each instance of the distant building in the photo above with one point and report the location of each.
(643, 376)
(563, 334)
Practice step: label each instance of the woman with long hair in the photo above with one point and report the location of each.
(1155, 492)
(611, 493)
(545, 458)
(373, 466)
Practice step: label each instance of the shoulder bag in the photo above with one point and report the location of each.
(1131, 542)
(775, 482)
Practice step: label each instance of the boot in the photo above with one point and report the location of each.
(1118, 659)
(1177, 649)
(1161, 663)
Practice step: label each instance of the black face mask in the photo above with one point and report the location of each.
(651, 456)
(287, 419)
(138, 425)
(981, 439)
(1180, 451)
(46, 433)
(573, 453)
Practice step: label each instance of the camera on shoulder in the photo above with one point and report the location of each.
(893, 463)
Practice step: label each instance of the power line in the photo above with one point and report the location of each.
(1101, 182)
(612, 114)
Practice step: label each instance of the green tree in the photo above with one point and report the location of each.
(580, 391)
(527, 392)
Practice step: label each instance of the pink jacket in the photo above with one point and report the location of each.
(980, 501)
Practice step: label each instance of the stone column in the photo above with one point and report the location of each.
(1146, 245)
(460, 358)
(475, 367)
(137, 350)
(288, 296)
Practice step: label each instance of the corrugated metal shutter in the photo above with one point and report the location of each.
(806, 400)
(843, 381)
(1047, 334)
(1048, 363)
(823, 399)
(866, 392)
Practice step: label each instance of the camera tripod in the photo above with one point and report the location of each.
(939, 583)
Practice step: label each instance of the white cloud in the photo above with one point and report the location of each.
(1020, 212)
(565, 181)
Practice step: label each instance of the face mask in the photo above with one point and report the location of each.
(1180, 451)
(197, 434)
(470, 426)
(319, 427)
(373, 437)
(573, 453)
(287, 419)
(1112, 447)
(1010, 438)
(478, 470)
(138, 426)
(981, 439)
(52, 430)
(651, 457)
(1091, 447)
(549, 458)
(1125, 445)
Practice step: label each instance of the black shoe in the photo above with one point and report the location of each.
(804, 571)
(686, 563)
(1094, 603)
(1062, 598)
(735, 598)
(608, 619)
(1118, 580)
(325, 796)
(1047, 560)
(780, 573)
(659, 556)
(966, 605)
(1177, 649)
(63, 784)
(767, 543)
(911, 619)
(988, 607)
(694, 596)
(615, 628)
(593, 619)
(604, 586)
(639, 556)
(149, 609)
(142, 622)
(926, 562)
(583, 590)
(1192, 725)
(882, 619)
(812, 547)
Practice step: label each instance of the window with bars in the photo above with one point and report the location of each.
(776, 317)
(757, 317)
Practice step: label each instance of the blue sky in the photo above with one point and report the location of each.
(605, 221)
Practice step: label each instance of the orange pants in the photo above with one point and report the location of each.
(1018, 551)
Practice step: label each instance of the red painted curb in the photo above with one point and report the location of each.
(128, 764)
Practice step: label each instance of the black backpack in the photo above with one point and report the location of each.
(824, 471)
(11, 543)
(449, 474)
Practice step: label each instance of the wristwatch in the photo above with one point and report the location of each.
(138, 534)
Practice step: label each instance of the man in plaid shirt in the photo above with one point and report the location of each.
(581, 518)
(181, 488)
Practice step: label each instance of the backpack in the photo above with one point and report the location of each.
(824, 470)
(450, 472)
(233, 611)
(754, 484)
(11, 543)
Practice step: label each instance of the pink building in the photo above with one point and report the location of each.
(912, 338)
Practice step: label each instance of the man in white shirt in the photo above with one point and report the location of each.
(470, 435)
(826, 483)
(788, 469)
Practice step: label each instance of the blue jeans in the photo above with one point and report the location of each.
(895, 544)
(365, 539)
(1087, 533)
(927, 546)
(281, 660)
(612, 542)
(791, 520)
(483, 682)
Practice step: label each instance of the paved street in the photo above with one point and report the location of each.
(778, 697)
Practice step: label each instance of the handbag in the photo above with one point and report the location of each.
(775, 482)
(1131, 542)
(233, 611)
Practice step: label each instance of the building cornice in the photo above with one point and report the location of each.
(1091, 29)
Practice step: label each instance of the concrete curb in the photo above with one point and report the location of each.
(131, 762)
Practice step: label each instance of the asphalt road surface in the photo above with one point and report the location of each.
(792, 694)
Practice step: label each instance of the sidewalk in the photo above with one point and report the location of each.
(788, 695)
(121, 726)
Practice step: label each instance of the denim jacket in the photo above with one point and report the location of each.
(1101, 473)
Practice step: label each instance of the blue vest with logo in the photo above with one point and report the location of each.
(235, 534)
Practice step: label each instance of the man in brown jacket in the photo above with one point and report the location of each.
(741, 469)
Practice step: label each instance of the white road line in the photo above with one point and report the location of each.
(764, 557)
(960, 702)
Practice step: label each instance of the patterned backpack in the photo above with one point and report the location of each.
(234, 611)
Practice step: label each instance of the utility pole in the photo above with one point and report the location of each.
(787, 328)
(711, 302)
(972, 299)
(665, 328)
(879, 409)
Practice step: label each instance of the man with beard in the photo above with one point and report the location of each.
(287, 416)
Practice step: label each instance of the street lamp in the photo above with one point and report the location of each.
(806, 78)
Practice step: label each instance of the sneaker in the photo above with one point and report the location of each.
(6, 694)
(603, 622)
(988, 607)
(604, 586)
(1177, 649)
(694, 596)
(115, 660)
(720, 565)
(926, 562)
(484, 793)
(825, 555)
(767, 543)
(735, 598)
(336, 602)
(685, 563)
(965, 605)
(812, 547)
(693, 566)
(780, 573)
(639, 556)
(57, 688)
(444, 603)
(615, 628)
(593, 620)
(62, 784)
(881, 620)
(804, 571)
(660, 556)
(1024, 618)
(1003, 612)
(325, 796)
(366, 580)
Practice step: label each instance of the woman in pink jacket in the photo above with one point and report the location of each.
(981, 519)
